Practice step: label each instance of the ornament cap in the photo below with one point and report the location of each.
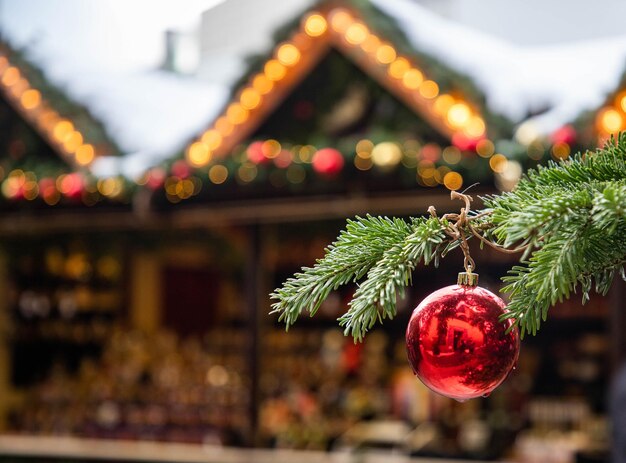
(467, 279)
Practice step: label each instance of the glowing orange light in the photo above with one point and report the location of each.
(218, 174)
(288, 54)
(561, 151)
(236, 114)
(315, 25)
(356, 33)
(212, 139)
(274, 70)
(412, 79)
(223, 126)
(458, 115)
(11, 76)
(498, 163)
(30, 99)
(262, 84)
(19, 88)
(610, 121)
(198, 154)
(398, 68)
(72, 141)
(340, 20)
(475, 127)
(451, 154)
(429, 89)
(485, 148)
(453, 180)
(62, 130)
(85, 154)
(270, 148)
(385, 54)
(4, 63)
(250, 98)
(370, 44)
(443, 104)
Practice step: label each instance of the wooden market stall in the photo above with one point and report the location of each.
(138, 310)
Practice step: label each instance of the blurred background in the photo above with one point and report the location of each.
(165, 165)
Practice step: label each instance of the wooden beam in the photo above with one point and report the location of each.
(219, 214)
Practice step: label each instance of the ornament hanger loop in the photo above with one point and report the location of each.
(457, 225)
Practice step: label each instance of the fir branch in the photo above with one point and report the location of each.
(375, 299)
(358, 248)
(569, 217)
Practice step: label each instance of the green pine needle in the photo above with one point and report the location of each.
(570, 216)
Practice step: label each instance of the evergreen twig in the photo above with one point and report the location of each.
(569, 217)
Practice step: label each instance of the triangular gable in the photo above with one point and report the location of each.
(67, 128)
(291, 61)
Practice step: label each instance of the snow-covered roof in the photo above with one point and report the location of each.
(152, 114)
(565, 79)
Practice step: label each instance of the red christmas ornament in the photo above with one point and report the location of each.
(327, 161)
(456, 343)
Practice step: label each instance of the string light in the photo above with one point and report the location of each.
(443, 103)
(274, 70)
(62, 130)
(398, 68)
(429, 89)
(453, 181)
(30, 99)
(236, 114)
(357, 33)
(370, 44)
(223, 126)
(262, 84)
(340, 20)
(218, 174)
(475, 128)
(610, 120)
(288, 54)
(250, 98)
(498, 163)
(412, 79)
(458, 115)
(212, 139)
(11, 76)
(315, 25)
(485, 148)
(198, 154)
(561, 151)
(85, 154)
(385, 54)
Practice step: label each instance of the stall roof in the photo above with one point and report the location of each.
(151, 114)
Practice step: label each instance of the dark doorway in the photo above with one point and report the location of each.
(190, 296)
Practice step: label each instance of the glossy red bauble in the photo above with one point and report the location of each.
(457, 345)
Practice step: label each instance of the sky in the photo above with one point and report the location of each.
(119, 35)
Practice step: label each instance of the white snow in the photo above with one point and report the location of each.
(151, 115)
(565, 79)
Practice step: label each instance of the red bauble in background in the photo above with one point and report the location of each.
(457, 345)
(327, 161)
